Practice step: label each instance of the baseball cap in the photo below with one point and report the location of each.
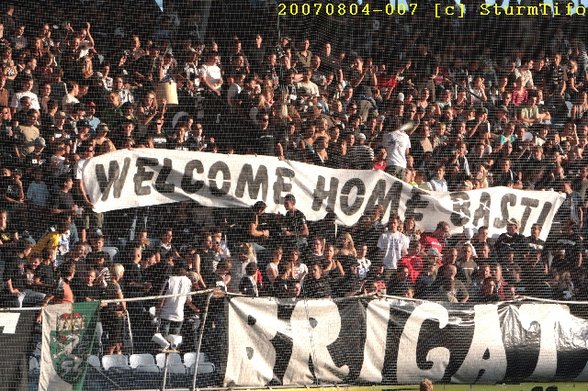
(433, 252)
(40, 142)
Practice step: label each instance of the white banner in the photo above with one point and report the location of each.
(143, 177)
(387, 341)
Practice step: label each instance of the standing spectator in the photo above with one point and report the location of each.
(397, 144)
(294, 227)
(572, 207)
(25, 90)
(361, 155)
(170, 310)
(438, 182)
(113, 314)
(393, 245)
(511, 239)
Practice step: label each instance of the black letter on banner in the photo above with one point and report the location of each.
(350, 184)
(415, 202)
(528, 203)
(214, 169)
(507, 199)
(115, 178)
(142, 175)
(253, 184)
(187, 185)
(461, 208)
(280, 186)
(392, 198)
(320, 193)
(544, 212)
(160, 183)
(483, 212)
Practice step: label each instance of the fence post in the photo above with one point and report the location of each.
(200, 336)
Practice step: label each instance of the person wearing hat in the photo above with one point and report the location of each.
(361, 156)
(102, 142)
(511, 239)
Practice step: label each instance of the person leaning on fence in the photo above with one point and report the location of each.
(62, 292)
(170, 310)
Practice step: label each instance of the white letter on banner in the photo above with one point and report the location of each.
(487, 338)
(408, 371)
(8, 321)
(251, 358)
(377, 318)
(547, 315)
(315, 325)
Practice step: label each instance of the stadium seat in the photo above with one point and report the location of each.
(94, 361)
(190, 359)
(175, 364)
(143, 362)
(33, 365)
(118, 361)
(203, 367)
(112, 251)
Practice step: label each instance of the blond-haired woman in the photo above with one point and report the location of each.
(346, 246)
(113, 314)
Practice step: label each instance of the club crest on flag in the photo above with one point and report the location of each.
(67, 346)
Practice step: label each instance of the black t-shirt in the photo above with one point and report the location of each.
(316, 289)
(133, 274)
(294, 221)
(61, 200)
(82, 291)
(365, 87)
(16, 273)
(47, 275)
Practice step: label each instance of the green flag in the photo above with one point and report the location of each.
(68, 338)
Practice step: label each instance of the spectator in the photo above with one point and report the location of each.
(170, 310)
(315, 286)
(393, 245)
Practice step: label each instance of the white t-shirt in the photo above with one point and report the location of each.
(394, 245)
(34, 100)
(299, 271)
(396, 143)
(173, 307)
(213, 75)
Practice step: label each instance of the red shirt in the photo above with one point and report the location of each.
(428, 240)
(414, 263)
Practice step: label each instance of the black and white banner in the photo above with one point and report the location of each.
(16, 332)
(142, 177)
(385, 341)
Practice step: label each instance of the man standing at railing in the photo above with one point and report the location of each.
(170, 310)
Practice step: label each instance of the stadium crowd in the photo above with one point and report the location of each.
(441, 120)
